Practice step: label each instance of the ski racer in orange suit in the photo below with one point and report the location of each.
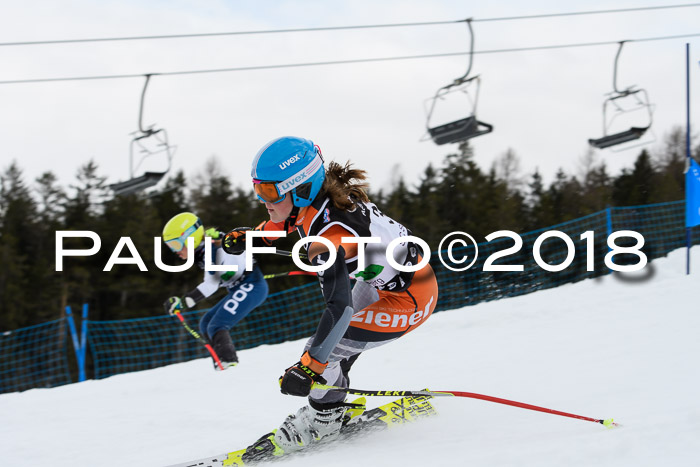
(301, 194)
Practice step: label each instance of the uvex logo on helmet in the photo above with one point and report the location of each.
(289, 184)
(289, 162)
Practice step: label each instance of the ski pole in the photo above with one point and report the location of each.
(196, 335)
(292, 273)
(288, 273)
(359, 392)
(289, 253)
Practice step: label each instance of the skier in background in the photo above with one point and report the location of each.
(300, 194)
(245, 290)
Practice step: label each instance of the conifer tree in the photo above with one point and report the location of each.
(461, 193)
(636, 187)
(18, 244)
(83, 209)
(671, 163)
(426, 221)
(172, 198)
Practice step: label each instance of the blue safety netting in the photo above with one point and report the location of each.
(34, 357)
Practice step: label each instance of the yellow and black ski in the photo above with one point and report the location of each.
(401, 411)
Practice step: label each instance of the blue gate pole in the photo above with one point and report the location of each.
(608, 225)
(687, 152)
(687, 251)
(74, 336)
(83, 342)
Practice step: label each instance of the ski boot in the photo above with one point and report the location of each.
(224, 349)
(315, 422)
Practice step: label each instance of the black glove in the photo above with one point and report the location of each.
(234, 241)
(298, 379)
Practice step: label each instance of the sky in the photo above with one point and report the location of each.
(543, 104)
(615, 350)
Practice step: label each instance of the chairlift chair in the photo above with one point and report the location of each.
(141, 144)
(148, 179)
(458, 130)
(134, 185)
(612, 102)
(464, 128)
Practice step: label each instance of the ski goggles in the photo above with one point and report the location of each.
(179, 243)
(267, 192)
(274, 192)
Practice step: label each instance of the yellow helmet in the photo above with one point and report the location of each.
(180, 227)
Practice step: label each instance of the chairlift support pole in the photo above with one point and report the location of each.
(471, 54)
(617, 58)
(143, 98)
(146, 132)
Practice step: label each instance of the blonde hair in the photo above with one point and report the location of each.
(345, 185)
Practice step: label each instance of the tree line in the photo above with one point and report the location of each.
(454, 195)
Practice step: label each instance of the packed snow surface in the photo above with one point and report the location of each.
(625, 347)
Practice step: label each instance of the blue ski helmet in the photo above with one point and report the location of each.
(288, 165)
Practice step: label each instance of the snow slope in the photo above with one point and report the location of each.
(600, 348)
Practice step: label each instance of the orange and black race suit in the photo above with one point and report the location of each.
(391, 302)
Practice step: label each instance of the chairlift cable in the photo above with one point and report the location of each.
(341, 62)
(590, 12)
(229, 33)
(339, 28)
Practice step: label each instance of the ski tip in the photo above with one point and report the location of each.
(609, 423)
